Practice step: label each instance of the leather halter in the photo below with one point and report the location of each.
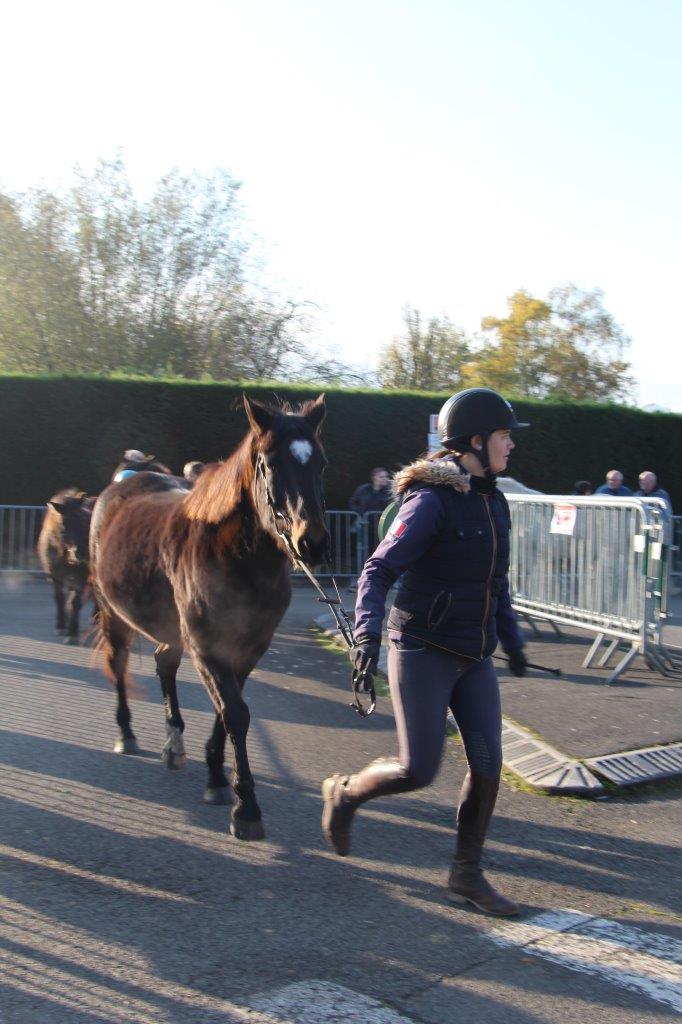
(360, 682)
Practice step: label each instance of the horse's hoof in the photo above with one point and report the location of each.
(218, 795)
(72, 640)
(173, 762)
(249, 830)
(126, 746)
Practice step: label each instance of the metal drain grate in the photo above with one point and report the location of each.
(543, 767)
(645, 765)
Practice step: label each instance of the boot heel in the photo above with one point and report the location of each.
(335, 818)
(456, 897)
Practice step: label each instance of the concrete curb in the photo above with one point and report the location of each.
(546, 769)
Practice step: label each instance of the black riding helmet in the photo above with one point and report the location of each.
(475, 411)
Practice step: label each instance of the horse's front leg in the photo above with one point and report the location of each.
(73, 605)
(225, 692)
(167, 664)
(58, 589)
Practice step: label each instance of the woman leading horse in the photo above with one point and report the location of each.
(449, 545)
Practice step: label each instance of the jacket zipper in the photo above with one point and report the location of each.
(490, 574)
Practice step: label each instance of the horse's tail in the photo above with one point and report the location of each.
(111, 644)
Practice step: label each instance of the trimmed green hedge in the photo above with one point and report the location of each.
(70, 431)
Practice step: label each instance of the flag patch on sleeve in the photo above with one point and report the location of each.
(397, 529)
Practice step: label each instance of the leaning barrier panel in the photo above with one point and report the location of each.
(598, 563)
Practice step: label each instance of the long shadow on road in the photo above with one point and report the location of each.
(127, 901)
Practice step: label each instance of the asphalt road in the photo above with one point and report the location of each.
(125, 900)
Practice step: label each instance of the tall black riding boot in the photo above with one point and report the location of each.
(343, 793)
(467, 882)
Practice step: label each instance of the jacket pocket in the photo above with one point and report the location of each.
(439, 609)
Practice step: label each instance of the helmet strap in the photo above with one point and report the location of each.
(481, 454)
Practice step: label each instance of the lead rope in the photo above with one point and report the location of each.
(360, 682)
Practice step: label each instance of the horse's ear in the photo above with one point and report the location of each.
(56, 506)
(260, 418)
(315, 413)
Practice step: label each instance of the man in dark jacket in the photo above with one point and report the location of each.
(374, 496)
(368, 501)
(649, 488)
(614, 485)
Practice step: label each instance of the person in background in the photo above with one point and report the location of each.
(192, 470)
(648, 488)
(135, 461)
(372, 497)
(582, 487)
(449, 546)
(614, 485)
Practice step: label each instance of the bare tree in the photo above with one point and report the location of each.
(429, 357)
(99, 280)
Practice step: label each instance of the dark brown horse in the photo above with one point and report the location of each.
(208, 571)
(63, 553)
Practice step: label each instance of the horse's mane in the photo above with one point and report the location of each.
(218, 491)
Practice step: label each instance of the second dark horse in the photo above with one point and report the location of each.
(208, 571)
(63, 553)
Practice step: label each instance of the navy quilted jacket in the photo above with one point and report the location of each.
(449, 545)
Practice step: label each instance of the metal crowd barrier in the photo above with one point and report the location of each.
(602, 564)
(607, 570)
(345, 531)
(20, 526)
(676, 566)
(19, 529)
(353, 539)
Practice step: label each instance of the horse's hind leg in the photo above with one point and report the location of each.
(225, 691)
(167, 664)
(116, 636)
(218, 789)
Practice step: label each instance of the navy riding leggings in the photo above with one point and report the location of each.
(424, 682)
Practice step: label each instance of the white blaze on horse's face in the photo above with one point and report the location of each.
(301, 450)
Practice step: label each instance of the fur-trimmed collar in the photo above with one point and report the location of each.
(437, 473)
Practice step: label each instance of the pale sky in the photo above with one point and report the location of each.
(441, 154)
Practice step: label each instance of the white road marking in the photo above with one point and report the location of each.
(645, 962)
(314, 1002)
(301, 450)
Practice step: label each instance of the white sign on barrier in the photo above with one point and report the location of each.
(433, 440)
(563, 520)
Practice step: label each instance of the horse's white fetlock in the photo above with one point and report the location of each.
(173, 752)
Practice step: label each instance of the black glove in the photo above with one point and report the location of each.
(364, 656)
(518, 662)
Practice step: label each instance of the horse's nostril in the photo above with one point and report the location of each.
(313, 552)
(304, 548)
